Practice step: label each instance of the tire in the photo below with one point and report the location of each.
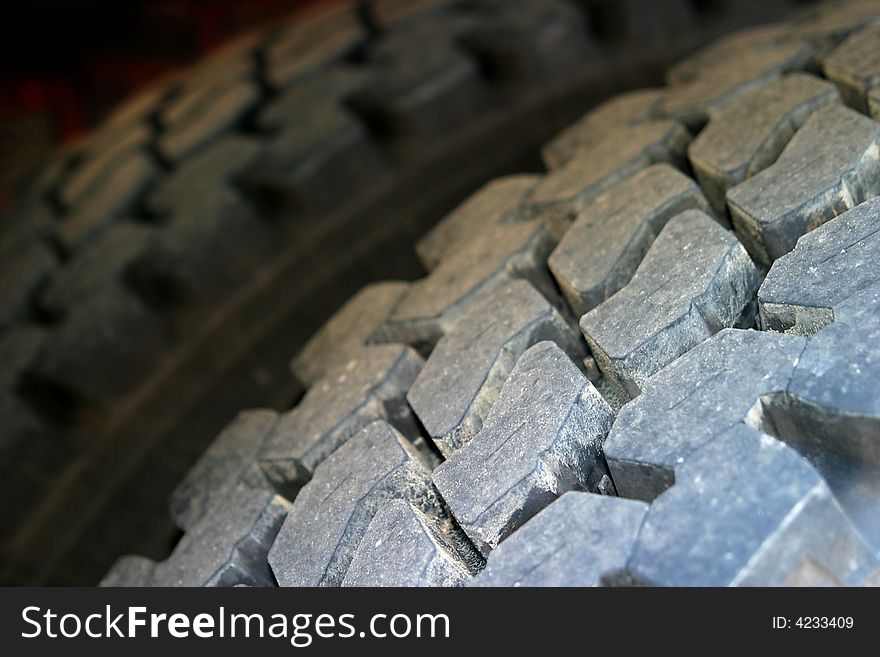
(152, 268)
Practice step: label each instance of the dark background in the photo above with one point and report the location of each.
(65, 64)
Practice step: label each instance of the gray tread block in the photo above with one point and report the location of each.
(855, 66)
(130, 570)
(198, 117)
(529, 43)
(319, 152)
(542, 437)
(227, 547)
(333, 511)
(805, 289)
(212, 245)
(730, 67)
(746, 510)
(691, 401)
(466, 370)
(218, 165)
(628, 108)
(405, 547)
(695, 280)
(575, 541)
(623, 150)
(370, 386)
(750, 132)
(23, 271)
(479, 211)
(830, 165)
(344, 335)
(598, 255)
(827, 23)
(305, 46)
(116, 196)
(99, 263)
(104, 153)
(223, 466)
(831, 412)
(102, 349)
(423, 84)
(465, 279)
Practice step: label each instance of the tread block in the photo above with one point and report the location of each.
(466, 370)
(477, 213)
(755, 501)
(422, 83)
(542, 437)
(306, 46)
(130, 570)
(319, 154)
(623, 151)
(599, 253)
(827, 23)
(575, 541)
(104, 152)
(405, 547)
(227, 547)
(691, 401)
(530, 42)
(831, 412)
(344, 335)
(24, 270)
(465, 279)
(333, 511)
(370, 386)
(854, 66)
(695, 280)
(730, 67)
(227, 463)
(807, 289)
(218, 165)
(103, 349)
(750, 132)
(96, 265)
(204, 113)
(118, 195)
(214, 244)
(630, 108)
(26, 437)
(830, 165)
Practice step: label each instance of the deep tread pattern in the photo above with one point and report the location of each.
(344, 335)
(855, 67)
(695, 280)
(228, 463)
(503, 252)
(542, 437)
(749, 133)
(405, 547)
(227, 547)
(478, 213)
(754, 500)
(807, 185)
(320, 536)
(691, 401)
(578, 540)
(466, 370)
(369, 387)
(617, 229)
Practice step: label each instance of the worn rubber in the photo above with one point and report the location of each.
(156, 274)
(465, 402)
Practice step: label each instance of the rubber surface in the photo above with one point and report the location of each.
(128, 243)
